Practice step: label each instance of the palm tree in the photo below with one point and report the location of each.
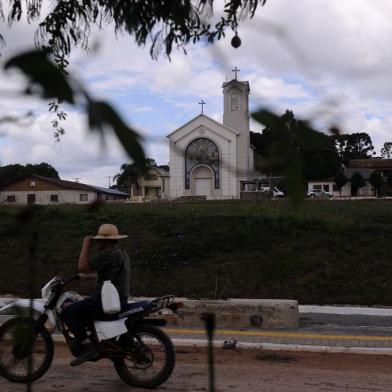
(130, 174)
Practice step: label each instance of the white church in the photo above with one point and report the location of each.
(213, 160)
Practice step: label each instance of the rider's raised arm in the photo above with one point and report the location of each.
(83, 257)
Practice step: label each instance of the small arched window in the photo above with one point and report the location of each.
(234, 102)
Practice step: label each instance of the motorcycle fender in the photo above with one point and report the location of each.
(110, 329)
(23, 306)
(156, 322)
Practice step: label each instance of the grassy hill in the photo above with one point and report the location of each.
(325, 252)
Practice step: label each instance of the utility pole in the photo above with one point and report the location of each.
(108, 177)
(77, 179)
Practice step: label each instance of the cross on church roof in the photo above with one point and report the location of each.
(202, 103)
(236, 70)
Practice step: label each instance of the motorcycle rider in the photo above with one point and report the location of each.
(110, 263)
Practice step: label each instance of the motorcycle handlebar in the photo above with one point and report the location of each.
(78, 277)
(83, 276)
(68, 281)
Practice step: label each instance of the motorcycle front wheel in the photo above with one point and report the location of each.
(26, 350)
(150, 357)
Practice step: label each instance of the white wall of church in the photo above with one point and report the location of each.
(251, 162)
(236, 116)
(177, 170)
(204, 127)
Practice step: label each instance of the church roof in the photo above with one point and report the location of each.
(202, 115)
(235, 81)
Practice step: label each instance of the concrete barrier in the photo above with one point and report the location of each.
(232, 313)
(239, 313)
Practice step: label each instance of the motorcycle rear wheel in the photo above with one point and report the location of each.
(20, 337)
(150, 357)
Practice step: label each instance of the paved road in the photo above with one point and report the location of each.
(308, 336)
(345, 320)
(328, 337)
(244, 371)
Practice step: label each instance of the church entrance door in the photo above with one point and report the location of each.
(202, 181)
(203, 186)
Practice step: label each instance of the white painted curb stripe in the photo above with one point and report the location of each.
(345, 310)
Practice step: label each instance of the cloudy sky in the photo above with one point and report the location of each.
(327, 60)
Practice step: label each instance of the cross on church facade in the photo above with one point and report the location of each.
(202, 103)
(236, 70)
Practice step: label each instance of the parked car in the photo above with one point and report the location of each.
(319, 193)
(275, 191)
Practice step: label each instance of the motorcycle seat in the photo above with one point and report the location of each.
(131, 309)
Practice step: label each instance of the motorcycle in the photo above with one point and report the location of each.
(142, 354)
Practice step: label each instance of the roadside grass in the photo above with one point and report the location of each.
(326, 252)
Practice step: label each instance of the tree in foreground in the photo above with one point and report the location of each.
(340, 180)
(357, 182)
(376, 182)
(164, 24)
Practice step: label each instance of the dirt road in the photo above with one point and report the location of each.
(247, 371)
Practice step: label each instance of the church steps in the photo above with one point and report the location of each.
(191, 198)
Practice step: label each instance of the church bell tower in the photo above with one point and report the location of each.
(236, 117)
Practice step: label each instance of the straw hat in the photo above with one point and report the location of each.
(108, 232)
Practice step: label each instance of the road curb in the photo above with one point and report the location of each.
(287, 347)
(218, 343)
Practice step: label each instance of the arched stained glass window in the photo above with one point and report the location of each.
(201, 151)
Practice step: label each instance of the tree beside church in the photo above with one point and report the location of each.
(350, 146)
(316, 150)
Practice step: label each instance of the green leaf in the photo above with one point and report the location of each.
(102, 114)
(41, 71)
